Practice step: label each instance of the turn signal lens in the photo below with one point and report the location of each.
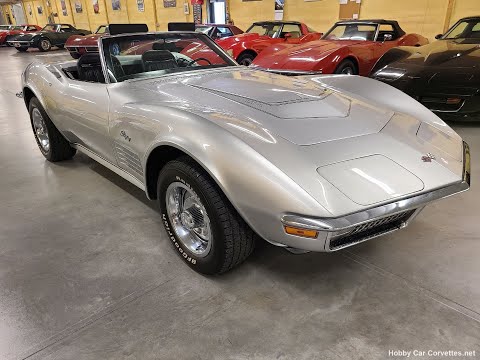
(453, 101)
(308, 233)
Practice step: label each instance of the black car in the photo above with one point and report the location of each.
(50, 35)
(444, 75)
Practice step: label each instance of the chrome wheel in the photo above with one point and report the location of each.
(189, 218)
(348, 71)
(40, 129)
(45, 44)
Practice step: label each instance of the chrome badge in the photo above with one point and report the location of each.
(428, 158)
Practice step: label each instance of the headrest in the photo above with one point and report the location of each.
(157, 55)
(89, 59)
(169, 46)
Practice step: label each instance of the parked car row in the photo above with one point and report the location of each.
(443, 76)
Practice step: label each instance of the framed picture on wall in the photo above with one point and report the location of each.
(169, 3)
(78, 7)
(140, 5)
(40, 10)
(64, 7)
(116, 4)
(96, 7)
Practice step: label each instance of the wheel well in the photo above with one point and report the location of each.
(355, 62)
(157, 159)
(27, 96)
(251, 52)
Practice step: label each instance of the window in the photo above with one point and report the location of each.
(457, 31)
(66, 28)
(269, 29)
(50, 28)
(31, 28)
(224, 31)
(101, 30)
(386, 29)
(292, 29)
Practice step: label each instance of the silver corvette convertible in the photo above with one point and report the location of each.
(232, 154)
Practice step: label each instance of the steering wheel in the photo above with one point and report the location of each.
(190, 63)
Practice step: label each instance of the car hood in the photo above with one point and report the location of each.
(29, 36)
(298, 110)
(446, 53)
(333, 143)
(290, 56)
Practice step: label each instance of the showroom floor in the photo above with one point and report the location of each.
(86, 272)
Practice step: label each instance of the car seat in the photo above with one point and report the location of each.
(89, 68)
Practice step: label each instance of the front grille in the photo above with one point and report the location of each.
(370, 230)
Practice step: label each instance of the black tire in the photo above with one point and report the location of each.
(60, 148)
(346, 67)
(232, 239)
(44, 44)
(75, 55)
(22, 49)
(246, 58)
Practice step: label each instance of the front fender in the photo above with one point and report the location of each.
(259, 190)
(391, 56)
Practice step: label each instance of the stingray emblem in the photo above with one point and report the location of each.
(428, 158)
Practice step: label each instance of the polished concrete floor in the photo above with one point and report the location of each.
(86, 272)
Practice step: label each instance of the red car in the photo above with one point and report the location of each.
(7, 31)
(245, 47)
(79, 45)
(218, 31)
(349, 47)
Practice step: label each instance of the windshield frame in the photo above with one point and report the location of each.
(458, 23)
(346, 23)
(170, 34)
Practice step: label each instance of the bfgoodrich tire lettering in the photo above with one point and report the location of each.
(58, 148)
(232, 240)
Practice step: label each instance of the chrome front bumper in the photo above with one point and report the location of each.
(370, 223)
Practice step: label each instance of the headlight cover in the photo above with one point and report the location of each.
(389, 74)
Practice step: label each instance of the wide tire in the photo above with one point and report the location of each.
(58, 148)
(22, 49)
(346, 67)
(246, 59)
(232, 240)
(44, 45)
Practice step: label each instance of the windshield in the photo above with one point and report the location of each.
(101, 30)
(153, 55)
(269, 29)
(353, 31)
(469, 29)
(50, 28)
(5, 27)
(18, 28)
(203, 29)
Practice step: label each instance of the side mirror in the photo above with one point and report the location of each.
(439, 36)
(387, 37)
